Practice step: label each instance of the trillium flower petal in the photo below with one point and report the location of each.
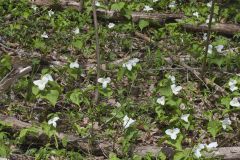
(104, 81)
(235, 102)
(185, 117)
(219, 48)
(47, 77)
(176, 89)
(211, 145)
(172, 4)
(74, 64)
(196, 14)
(127, 121)
(172, 78)
(111, 25)
(53, 121)
(40, 83)
(147, 8)
(44, 35)
(226, 122)
(76, 30)
(161, 100)
(172, 133)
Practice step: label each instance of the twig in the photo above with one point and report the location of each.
(208, 40)
(97, 47)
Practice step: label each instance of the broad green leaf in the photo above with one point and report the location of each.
(78, 44)
(117, 6)
(142, 24)
(165, 91)
(52, 96)
(214, 127)
(182, 155)
(75, 97)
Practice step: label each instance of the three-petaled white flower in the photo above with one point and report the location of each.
(34, 7)
(172, 78)
(198, 149)
(74, 64)
(111, 25)
(76, 30)
(210, 47)
(127, 121)
(44, 35)
(155, 0)
(50, 13)
(172, 4)
(173, 132)
(97, 3)
(226, 122)
(129, 65)
(196, 14)
(232, 85)
(205, 36)
(235, 102)
(211, 146)
(161, 100)
(209, 4)
(104, 81)
(53, 121)
(41, 83)
(147, 8)
(176, 89)
(219, 48)
(185, 117)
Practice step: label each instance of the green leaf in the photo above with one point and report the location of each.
(182, 154)
(78, 44)
(75, 97)
(142, 24)
(165, 91)
(113, 156)
(162, 156)
(214, 127)
(39, 44)
(51, 96)
(226, 102)
(118, 6)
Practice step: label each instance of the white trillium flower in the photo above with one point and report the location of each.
(147, 8)
(205, 36)
(104, 81)
(34, 7)
(211, 145)
(172, 78)
(196, 14)
(172, 4)
(76, 30)
(173, 132)
(197, 151)
(210, 49)
(161, 100)
(127, 121)
(44, 35)
(50, 13)
(130, 63)
(219, 48)
(111, 25)
(155, 1)
(74, 64)
(235, 102)
(53, 121)
(176, 89)
(185, 117)
(97, 3)
(43, 81)
(226, 122)
(209, 4)
(232, 85)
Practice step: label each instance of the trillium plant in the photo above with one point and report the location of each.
(161, 100)
(41, 83)
(232, 85)
(173, 133)
(104, 82)
(235, 102)
(53, 121)
(131, 63)
(74, 64)
(127, 121)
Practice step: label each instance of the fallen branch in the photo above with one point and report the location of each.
(228, 29)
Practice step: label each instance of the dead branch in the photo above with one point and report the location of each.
(227, 29)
